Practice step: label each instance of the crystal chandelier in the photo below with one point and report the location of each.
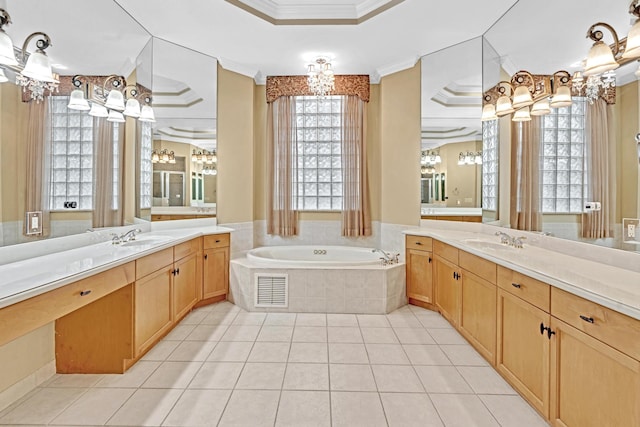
(595, 85)
(320, 77)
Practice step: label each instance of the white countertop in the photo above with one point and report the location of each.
(34, 276)
(613, 287)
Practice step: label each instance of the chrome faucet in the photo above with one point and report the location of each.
(130, 235)
(388, 258)
(516, 242)
(505, 239)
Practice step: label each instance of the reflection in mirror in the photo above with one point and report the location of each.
(565, 148)
(451, 128)
(184, 157)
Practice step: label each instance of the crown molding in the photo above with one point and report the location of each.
(398, 66)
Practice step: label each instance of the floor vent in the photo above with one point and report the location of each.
(272, 290)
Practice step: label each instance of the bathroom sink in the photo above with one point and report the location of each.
(146, 241)
(487, 245)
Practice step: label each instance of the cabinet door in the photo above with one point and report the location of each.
(447, 289)
(478, 314)
(216, 272)
(522, 355)
(152, 308)
(592, 384)
(420, 275)
(185, 285)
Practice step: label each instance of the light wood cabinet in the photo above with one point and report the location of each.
(592, 384)
(185, 285)
(419, 269)
(478, 314)
(153, 311)
(448, 289)
(522, 354)
(215, 283)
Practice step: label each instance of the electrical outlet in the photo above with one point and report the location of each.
(631, 230)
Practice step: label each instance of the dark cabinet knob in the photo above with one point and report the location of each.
(550, 332)
(217, 241)
(206, 256)
(429, 260)
(542, 328)
(516, 285)
(85, 293)
(587, 319)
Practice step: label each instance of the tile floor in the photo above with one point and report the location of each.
(224, 366)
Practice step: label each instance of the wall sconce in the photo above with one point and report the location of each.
(163, 156)
(470, 158)
(204, 156)
(430, 158)
(210, 170)
(33, 70)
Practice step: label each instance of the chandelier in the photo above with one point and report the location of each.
(33, 70)
(470, 158)
(320, 77)
(204, 156)
(594, 85)
(108, 100)
(163, 156)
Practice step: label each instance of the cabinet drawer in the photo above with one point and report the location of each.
(445, 251)
(187, 248)
(420, 243)
(216, 241)
(613, 328)
(478, 266)
(150, 263)
(531, 290)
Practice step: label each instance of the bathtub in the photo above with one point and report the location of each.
(314, 256)
(319, 279)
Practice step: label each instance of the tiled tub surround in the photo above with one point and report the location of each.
(371, 289)
(606, 276)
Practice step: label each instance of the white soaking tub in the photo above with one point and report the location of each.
(314, 256)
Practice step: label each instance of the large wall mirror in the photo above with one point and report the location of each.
(88, 47)
(543, 45)
(451, 142)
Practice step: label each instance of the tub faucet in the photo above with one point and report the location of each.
(388, 258)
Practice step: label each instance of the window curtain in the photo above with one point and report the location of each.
(525, 203)
(38, 167)
(282, 149)
(356, 210)
(107, 188)
(601, 159)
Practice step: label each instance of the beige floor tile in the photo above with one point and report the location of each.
(392, 378)
(310, 334)
(198, 408)
(179, 333)
(409, 410)
(352, 378)
(387, 354)
(172, 375)
(217, 375)
(95, 407)
(146, 408)
(306, 376)
(462, 410)
(304, 408)
(188, 351)
(485, 380)
(373, 321)
(43, 406)
(344, 334)
(276, 333)
(248, 319)
(512, 411)
(311, 319)
(227, 351)
(219, 318)
(280, 319)
(241, 333)
(347, 353)
(74, 380)
(161, 351)
(342, 320)
(447, 336)
(379, 336)
(133, 378)
(433, 320)
(413, 336)
(426, 355)
(253, 408)
(207, 333)
(261, 376)
(351, 409)
(303, 352)
(405, 320)
(442, 379)
(463, 355)
(194, 318)
(269, 352)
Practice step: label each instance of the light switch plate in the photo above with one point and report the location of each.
(631, 230)
(33, 223)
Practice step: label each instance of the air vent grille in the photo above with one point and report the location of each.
(272, 290)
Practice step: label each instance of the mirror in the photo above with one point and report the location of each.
(90, 48)
(184, 100)
(451, 141)
(515, 43)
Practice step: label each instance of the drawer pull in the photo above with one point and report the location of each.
(429, 260)
(516, 285)
(85, 293)
(418, 243)
(542, 328)
(587, 319)
(217, 241)
(206, 256)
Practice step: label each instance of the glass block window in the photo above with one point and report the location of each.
(116, 165)
(319, 134)
(72, 156)
(490, 166)
(562, 159)
(146, 167)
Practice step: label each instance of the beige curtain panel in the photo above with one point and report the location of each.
(525, 203)
(38, 163)
(107, 197)
(282, 151)
(356, 210)
(601, 160)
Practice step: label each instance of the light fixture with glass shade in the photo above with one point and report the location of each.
(503, 104)
(541, 107)
(561, 96)
(163, 156)
(522, 94)
(320, 77)
(522, 115)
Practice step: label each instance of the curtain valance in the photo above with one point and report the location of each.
(278, 86)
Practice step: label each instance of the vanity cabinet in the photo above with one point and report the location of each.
(186, 281)
(419, 269)
(448, 287)
(215, 282)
